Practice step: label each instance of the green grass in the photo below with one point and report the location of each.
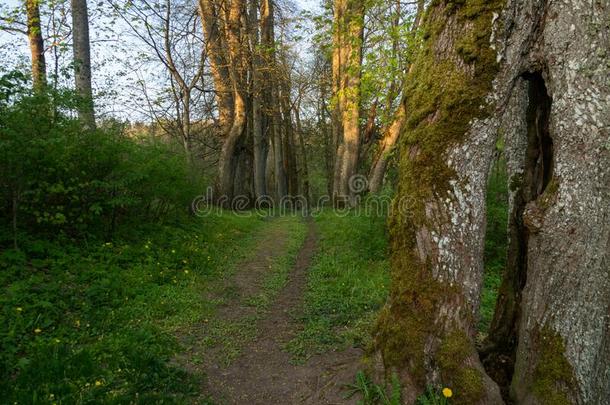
(496, 242)
(95, 322)
(230, 335)
(347, 284)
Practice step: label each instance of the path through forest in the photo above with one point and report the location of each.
(262, 372)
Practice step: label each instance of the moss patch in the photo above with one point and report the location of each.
(553, 378)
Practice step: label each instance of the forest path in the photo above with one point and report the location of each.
(262, 372)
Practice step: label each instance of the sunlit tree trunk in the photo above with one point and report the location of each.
(212, 19)
(82, 61)
(347, 67)
(34, 31)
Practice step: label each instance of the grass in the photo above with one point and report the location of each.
(230, 335)
(347, 284)
(496, 242)
(94, 322)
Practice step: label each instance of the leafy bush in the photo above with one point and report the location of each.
(58, 177)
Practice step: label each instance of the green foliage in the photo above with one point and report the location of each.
(432, 396)
(347, 284)
(96, 323)
(496, 242)
(56, 177)
(372, 393)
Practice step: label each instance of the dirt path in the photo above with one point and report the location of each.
(263, 373)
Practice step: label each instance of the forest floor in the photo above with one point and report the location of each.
(222, 309)
(263, 372)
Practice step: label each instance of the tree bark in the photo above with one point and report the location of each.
(552, 315)
(347, 67)
(552, 325)
(386, 146)
(82, 61)
(213, 29)
(427, 329)
(34, 30)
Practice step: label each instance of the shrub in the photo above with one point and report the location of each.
(58, 177)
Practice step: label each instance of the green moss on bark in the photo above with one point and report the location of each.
(453, 356)
(553, 378)
(446, 90)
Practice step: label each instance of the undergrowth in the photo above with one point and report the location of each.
(95, 323)
(347, 284)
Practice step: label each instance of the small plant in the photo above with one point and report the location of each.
(372, 393)
(434, 396)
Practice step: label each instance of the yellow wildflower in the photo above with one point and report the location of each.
(98, 383)
(18, 309)
(37, 330)
(186, 272)
(447, 393)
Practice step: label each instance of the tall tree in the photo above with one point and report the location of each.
(82, 60)
(550, 337)
(427, 329)
(34, 31)
(348, 33)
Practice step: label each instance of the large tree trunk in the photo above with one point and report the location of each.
(82, 61)
(386, 147)
(259, 134)
(550, 338)
(228, 156)
(347, 67)
(272, 97)
(426, 331)
(39, 73)
(213, 29)
(555, 301)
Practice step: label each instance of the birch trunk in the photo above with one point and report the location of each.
(82, 61)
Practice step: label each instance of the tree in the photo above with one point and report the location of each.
(34, 31)
(426, 331)
(169, 32)
(346, 64)
(549, 338)
(82, 61)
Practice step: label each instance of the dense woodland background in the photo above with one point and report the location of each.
(438, 169)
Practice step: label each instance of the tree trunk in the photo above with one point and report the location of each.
(259, 135)
(228, 158)
(303, 150)
(386, 147)
(347, 66)
(213, 30)
(39, 73)
(426, 330)
(82, 61)
(552, 314)
(550, 337)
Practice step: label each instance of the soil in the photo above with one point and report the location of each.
(263, 372)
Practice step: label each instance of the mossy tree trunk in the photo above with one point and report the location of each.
(553, 312)
(550, 99)
(426, 331)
